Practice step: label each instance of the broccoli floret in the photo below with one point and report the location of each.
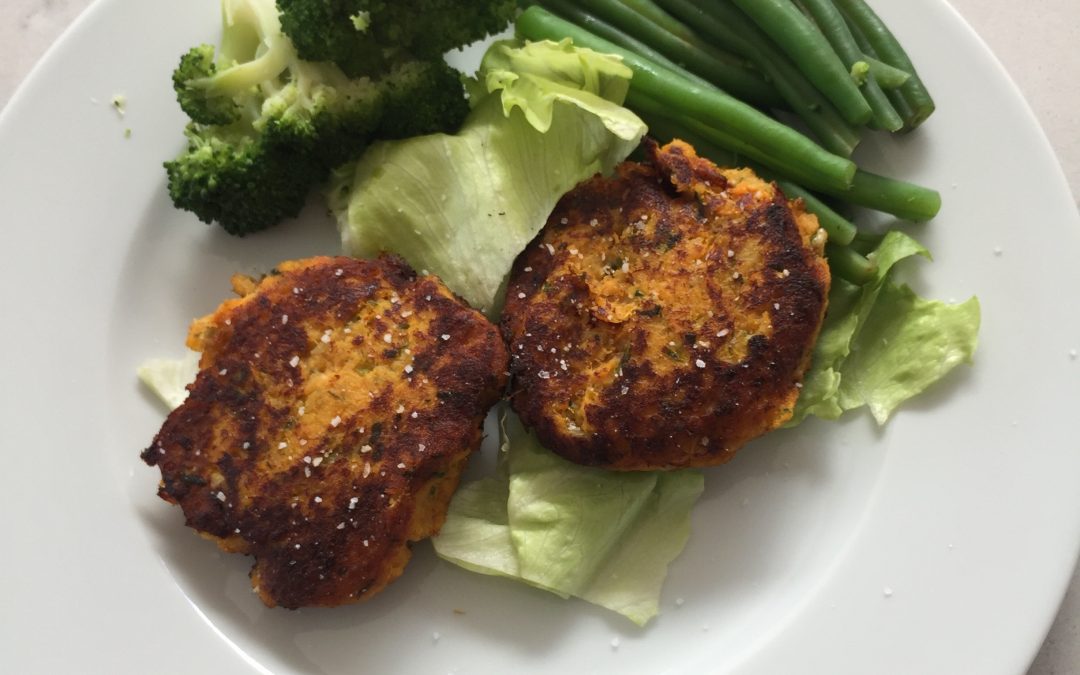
(268, 126)
(198, 66)
(423, 97)
(242, 184)
(367, 36)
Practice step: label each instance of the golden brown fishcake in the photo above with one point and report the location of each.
(664, 317)
(336, 405)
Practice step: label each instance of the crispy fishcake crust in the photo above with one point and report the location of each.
(664, 317)
(336, 405)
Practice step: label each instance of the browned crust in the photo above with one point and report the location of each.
(638, 341)
(325, 456)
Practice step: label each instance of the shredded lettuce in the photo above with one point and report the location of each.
(882, 344)
(169, 378)
(546, 116)
(606, 537)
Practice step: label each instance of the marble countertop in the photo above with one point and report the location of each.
(1038, 48)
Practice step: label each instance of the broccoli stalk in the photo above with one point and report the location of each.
(267, 126)
(368, 36)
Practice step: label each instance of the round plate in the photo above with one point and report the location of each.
(940, 543)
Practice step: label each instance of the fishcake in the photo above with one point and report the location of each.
(665, 316)
(336, 405)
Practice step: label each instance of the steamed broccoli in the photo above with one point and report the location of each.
(366, 36)
(267, 126)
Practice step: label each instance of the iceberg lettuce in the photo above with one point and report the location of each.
(168, 378)
(546, 116)
(606, 537)
(882, 344)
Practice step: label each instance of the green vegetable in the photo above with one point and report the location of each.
(727, 26)
(707, 104)
(547, 116)
(168, 378)
(886, 76)
(841, 230)
(603, 536)
(811, 52)
(859, 72)
(900, 198)
(882, 344)
(687, 49)
(848, 264)
(367, 37)
(267, 126)
(831, 24)
(865, 24)
(570, 11)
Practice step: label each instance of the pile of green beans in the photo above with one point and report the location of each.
(713, 72)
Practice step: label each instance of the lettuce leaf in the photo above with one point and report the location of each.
(546, 116)
(881, 344)
(606, 537)
(169, 378)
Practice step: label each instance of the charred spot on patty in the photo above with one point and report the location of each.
(329, 423)
(665, 316)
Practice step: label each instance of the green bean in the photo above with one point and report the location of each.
(857, 13)
(707, 104)
(847, 263)
(866, 242)
(693, 132)
(571, 12)
(653, 12)
(724, 23)
(900, 198)
(887, 76)
(899, 103)
(841, 230)
(694, 54)
(831, 24)
(811, 52)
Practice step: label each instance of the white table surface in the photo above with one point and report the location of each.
(1036, 41)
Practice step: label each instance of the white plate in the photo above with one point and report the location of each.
(940, 544)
